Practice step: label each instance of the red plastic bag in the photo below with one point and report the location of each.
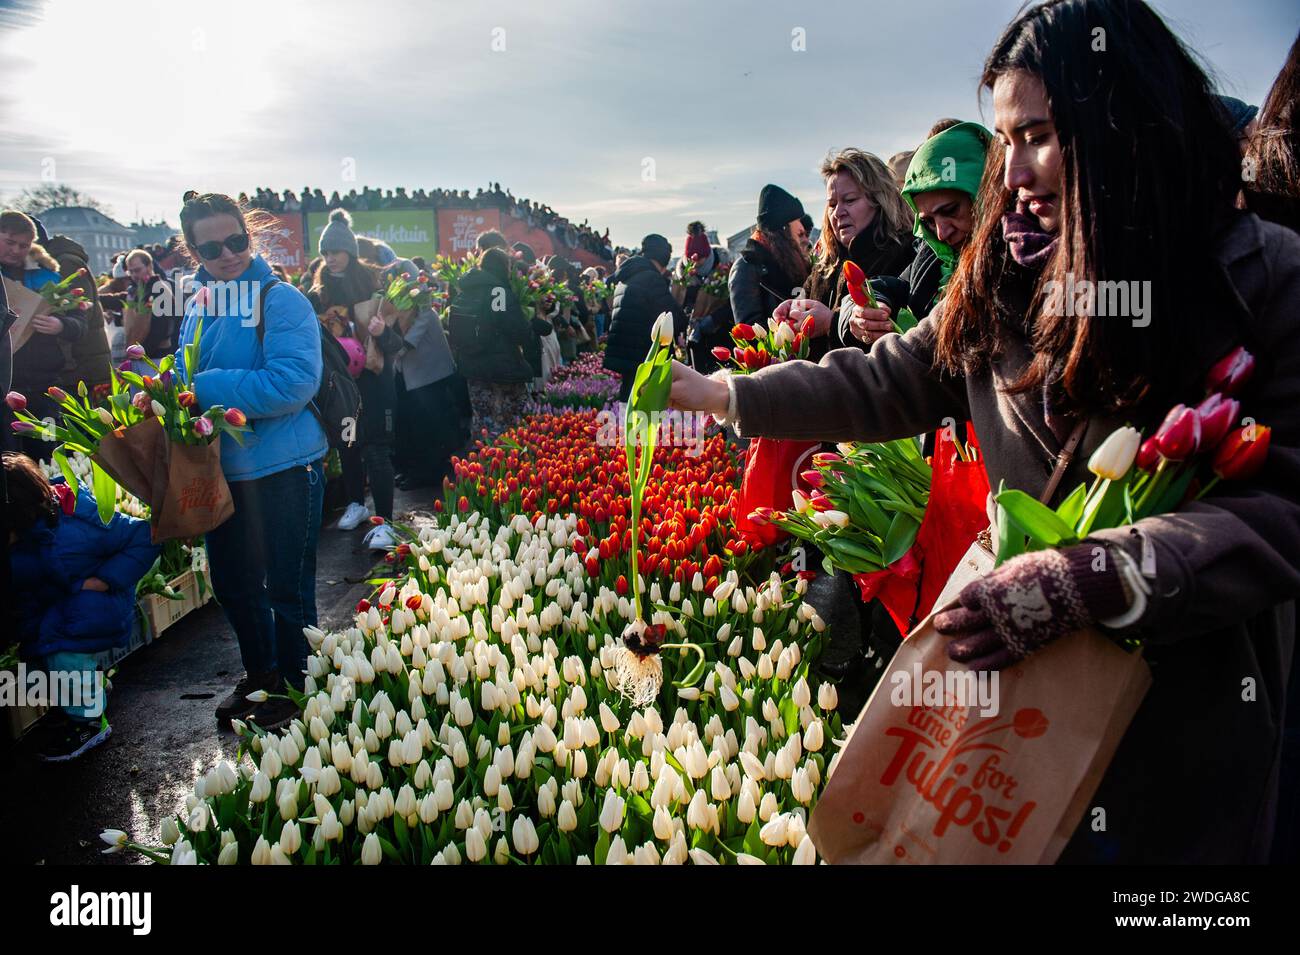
(771, 474)
(895, 587)
(954, 516)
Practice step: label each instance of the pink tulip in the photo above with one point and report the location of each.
(16, 401)
(23, 427)
(203, 427)
(1218, 414)
(57, 393)
(1180, 434)
(135, 352)
(1231, 372)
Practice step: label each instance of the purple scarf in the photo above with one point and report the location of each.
(1030, 246)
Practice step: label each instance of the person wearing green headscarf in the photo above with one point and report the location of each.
(942, 181)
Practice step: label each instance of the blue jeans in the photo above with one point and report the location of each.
(263, 568)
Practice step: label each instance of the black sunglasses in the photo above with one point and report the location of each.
(212, 250)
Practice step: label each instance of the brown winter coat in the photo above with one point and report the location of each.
(89, 356)
(1195, 778)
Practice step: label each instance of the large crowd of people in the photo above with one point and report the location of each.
(1122, 166)
(572, 234)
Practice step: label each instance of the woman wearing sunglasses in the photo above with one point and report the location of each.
(262, 560)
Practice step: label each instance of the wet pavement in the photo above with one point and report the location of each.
(164, 732)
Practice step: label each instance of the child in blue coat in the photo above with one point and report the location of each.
(74, 582)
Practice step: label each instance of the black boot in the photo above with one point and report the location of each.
(237, 705)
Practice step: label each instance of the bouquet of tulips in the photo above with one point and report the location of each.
(68, 295)
(855, 280)
(403, 294)
(717, 282)
(1136, 478)
(597, 293)
(757, 346)
(865, 507)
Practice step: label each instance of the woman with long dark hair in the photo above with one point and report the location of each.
(1113, 166)
(772, 267)
(263, 559)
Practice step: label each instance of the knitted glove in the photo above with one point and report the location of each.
(1028, 602)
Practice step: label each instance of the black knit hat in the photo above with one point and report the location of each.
(777, 208)
(655, 246)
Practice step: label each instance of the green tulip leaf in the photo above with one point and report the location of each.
(1038, 521)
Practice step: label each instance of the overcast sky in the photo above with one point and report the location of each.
(135, 102)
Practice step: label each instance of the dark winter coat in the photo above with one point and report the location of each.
(487, 344)
(641, 295)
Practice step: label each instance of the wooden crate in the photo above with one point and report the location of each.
(19, 719)
(161, 613)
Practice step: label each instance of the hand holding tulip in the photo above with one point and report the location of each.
(376, 326)
(795, 310)
(868, 324)
(694, 392)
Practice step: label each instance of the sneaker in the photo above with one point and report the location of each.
(78, 737)
(353, 517)
(276, 713)
(237, 705)
(380, 537)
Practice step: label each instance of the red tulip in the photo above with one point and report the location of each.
(1242, 453)
(463, 504)
(1180, 434)
(722, 354)
(593, 565)
(813, 478)
(825, 458)
(743, 332)
(187, 399)
(376, 520)
(1148, 455)
(808, 326)
(235, 418)
(16, 401)
(853, 273)
(57, 393)
(1218, 414)
(363, 605)
(1231, 372)
(415, 601)
(620, 586)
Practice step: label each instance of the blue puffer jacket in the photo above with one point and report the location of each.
(271, 378)
(50, 564)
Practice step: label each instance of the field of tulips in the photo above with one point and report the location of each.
(473, 712)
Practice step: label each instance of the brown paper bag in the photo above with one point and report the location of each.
(183, 484)
(706, 303)
(940, 783)
(679, 292)
(26, 304)
(190, 492)
(362, 313)
(130, 456)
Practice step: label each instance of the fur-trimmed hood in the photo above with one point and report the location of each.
(38, 258)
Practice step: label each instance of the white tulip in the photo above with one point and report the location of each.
(745, 809)
(813, 736)
(806, 853)
(524, 836)
(608, 721)
(611, 813)
(229, 854)
(475, 845)
(663, 330)
(801, 694)
(567, 818)
(663, 824)
(262, 852)
(116, 840)
(290, 838)
(700, 857)
(443, 795)
(371, 852)
(767, 806)
(773, 832)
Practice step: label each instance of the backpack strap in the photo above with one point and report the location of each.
(261, 308)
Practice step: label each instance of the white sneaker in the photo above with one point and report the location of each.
(380, 537)
(353, 517)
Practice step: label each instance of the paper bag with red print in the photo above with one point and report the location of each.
(941, 769)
